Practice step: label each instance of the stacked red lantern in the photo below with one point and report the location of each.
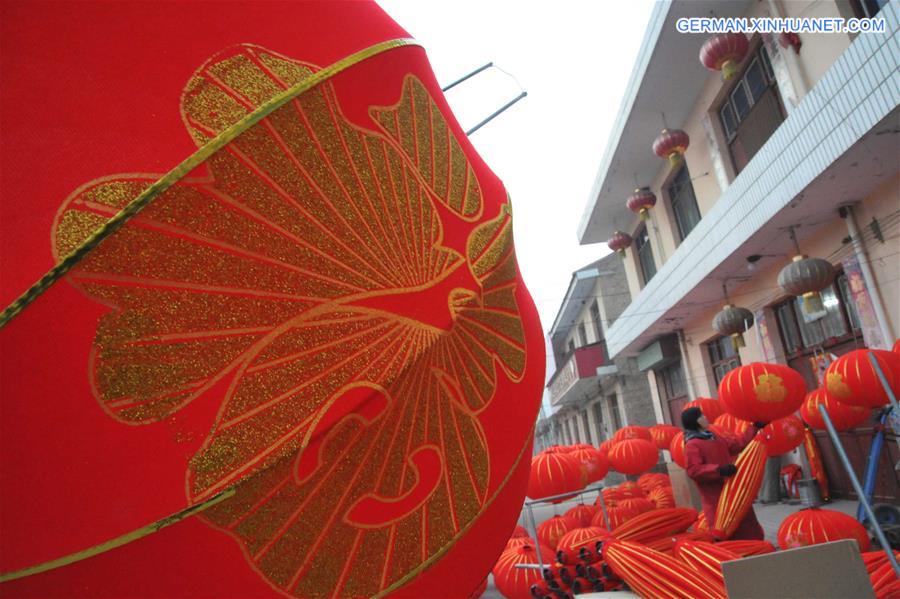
(641, 201)
(762, 392)
(619, 242)
(676, 449)
(852, 380)
(632, 432)
(553, 474)
(724, 53)
(782, 435)
(815, 525)
(633, 456)
(671, 144)
(843, 416)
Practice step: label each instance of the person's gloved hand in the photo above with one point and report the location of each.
(758, 425)
(727, 470)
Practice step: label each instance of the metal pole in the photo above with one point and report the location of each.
(858, 487)
(470, 75)
(537, 542)
(895, 409)
(496, 113)
(603, 508)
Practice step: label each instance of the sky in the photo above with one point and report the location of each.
(574, 59)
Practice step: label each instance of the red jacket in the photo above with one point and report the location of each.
(702, 459)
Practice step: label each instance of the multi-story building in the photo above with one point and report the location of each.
(591, 395)
(797, 153)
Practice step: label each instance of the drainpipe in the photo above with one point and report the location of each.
(685, 365)
(887, 336)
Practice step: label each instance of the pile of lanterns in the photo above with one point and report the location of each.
(643, 541)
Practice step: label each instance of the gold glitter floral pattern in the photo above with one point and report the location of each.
(310, 277)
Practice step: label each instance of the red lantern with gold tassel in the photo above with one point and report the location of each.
(762, 392)
(816, 525)
(633, 456)
(515, 583)
(782, 435)
(641, 201)
(816, 467)
(843, 416)
(671, 144)
(724, 52)
(852, 380)
(619, 242)
(740, 490)
(654, 574)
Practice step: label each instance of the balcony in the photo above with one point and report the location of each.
(578, 376)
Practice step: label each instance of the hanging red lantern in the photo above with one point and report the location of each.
(633, 456)
(815, 525)
(724, 52)
(619, 242)
(710, 407)
(762, 392)
(582, 513)
(593, 463)
(553, 474)
(782, 435)
(843, 416)
(632, 432)
(852, 380)
(662, 434)
(551, 530)
(515, 583)
(671, 144)
(654, 574)
(641, 201)
(676, 450)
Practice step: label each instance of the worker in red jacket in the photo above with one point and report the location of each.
(708, 461)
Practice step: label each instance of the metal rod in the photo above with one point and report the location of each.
(537, 542)
(470, 75)
(603, 508)
(890, 393)
(570, 495)
(496, 113)
(858, 487)
(529, 566)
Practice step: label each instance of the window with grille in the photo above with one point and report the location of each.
(838, 321)
(722, 357)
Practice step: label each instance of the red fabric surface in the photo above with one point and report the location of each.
(93, 90)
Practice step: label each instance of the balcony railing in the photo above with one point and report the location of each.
(577, 373)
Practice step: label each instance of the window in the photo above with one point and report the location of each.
(751, 111)
(839, 319)
(571, 346)
(644, 254)
(587, 426)
(598, 419)
(595, 318)
(582, 335)
(722, 357)
(867, 8)
(614, 413)
(672, 389)
(684, 202)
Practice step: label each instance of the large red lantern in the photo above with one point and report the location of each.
(663, 434)
(513, 582)
(676, 450)
(594, 464)
(815, 525)
(782, 435)
(843, 416)
(671, 144)
(632, 432)
(762, 392)
(633, 456)
(852, 380)
(619, 242)
(724, 52)
(553, 474)
(641, 201)
(710, 407)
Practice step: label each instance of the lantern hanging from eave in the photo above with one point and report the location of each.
(733, 321)
(724, 53)
(641, 201)
(671, 144)
(806, 277)
(619, 242)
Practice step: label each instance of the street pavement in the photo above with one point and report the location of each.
(770, 517)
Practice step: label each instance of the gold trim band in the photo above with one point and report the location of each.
(118, 541)
(189, 164)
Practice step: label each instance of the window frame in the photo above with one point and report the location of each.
(678, 202)
(719, 358)
(759, 56)
(639, 248)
